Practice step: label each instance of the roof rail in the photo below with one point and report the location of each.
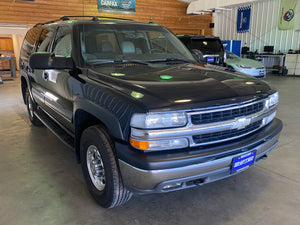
(93, 18)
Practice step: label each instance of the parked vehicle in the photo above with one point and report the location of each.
(208, 49)
(244, 65)
(141, 116)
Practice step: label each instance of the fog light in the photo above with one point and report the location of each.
(160, 144)
(168, 144)
(269, 118)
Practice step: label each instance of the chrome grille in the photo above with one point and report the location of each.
(218, 116)
(211, 126)
(226, 134)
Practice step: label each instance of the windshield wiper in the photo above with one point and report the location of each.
(120, 61)
(170, 60)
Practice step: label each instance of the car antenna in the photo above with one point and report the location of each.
(150, 21)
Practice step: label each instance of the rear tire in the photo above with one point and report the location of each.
(31, 108)
(100, 168)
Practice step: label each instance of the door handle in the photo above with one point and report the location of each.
(46, 76)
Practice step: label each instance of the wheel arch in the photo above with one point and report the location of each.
(88, 114)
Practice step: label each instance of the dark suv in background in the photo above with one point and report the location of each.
(139, 113)
(208, 49)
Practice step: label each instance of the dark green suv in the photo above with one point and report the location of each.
(139, 113)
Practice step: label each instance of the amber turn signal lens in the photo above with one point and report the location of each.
(143, 145)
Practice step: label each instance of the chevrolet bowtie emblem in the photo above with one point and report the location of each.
(241, 123)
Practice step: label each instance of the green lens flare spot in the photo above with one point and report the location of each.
(136, 94)
(117, 74)
(165, 77)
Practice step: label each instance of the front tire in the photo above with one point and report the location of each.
(100, 168)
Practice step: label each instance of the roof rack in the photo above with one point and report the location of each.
(93, 18)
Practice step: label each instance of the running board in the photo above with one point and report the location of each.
(66, 138)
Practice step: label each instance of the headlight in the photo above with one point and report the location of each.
(272, 100)
(158, 120)
(243, 66)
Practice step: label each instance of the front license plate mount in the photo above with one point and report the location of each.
(243, 161)
(210, 59)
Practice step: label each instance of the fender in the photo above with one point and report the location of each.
(102, 114)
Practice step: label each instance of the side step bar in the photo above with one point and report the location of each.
(66, 138)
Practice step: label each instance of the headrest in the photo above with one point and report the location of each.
(106, 47)
(128, 47)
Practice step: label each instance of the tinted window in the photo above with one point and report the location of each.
(63, 47)
(105, 42)
(44, 41)
(62, 41)
(29, 44)
(206, 44)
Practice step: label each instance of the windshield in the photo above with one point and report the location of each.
(230, 55)
(143, 44)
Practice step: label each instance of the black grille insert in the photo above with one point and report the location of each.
(229, 114)
(227, 134)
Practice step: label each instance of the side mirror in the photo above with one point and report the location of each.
(198, 55)
(46, 60)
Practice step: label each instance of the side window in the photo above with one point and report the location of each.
(29, 44)
(44, 41)
(62, 43)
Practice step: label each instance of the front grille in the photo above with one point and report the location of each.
(227, 134)
(228, 114)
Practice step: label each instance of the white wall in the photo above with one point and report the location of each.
(17, 43)
(17, 33)
(263, 28)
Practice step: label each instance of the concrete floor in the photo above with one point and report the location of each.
(42, 184)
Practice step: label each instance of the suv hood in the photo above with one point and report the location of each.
(183, 87)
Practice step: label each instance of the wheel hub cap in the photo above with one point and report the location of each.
(95, 167)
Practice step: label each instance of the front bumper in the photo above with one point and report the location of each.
(162, 172)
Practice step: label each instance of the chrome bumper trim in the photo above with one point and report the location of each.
(153, 181)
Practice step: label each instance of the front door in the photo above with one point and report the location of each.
(54, 86)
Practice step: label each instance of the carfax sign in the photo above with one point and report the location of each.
(117, 6)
